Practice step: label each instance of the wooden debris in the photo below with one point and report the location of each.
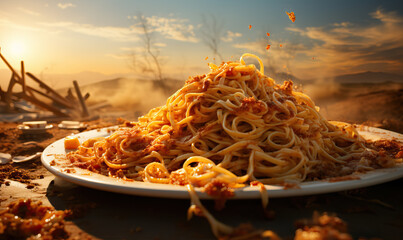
(81, 99)
(43, 97)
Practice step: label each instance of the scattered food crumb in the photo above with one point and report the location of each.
(24, 218)
(10, 172)
(291, 15)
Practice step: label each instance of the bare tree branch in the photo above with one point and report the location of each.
(212, 31)
(151, 51)
(147, 60)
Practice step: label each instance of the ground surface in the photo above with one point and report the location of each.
(104, 215)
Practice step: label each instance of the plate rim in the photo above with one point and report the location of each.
(86, 178)
(75, 127)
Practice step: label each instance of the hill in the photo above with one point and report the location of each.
(369, 77)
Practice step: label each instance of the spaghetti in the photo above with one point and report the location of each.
(231, 127)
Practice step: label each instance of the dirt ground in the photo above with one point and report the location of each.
(30, 180)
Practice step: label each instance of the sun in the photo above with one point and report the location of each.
(17, 49)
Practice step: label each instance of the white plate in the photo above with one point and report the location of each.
(86, 178)
(27, 129)
(72, 127)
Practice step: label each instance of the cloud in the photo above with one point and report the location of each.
(123, 56)
(121, 34)
(65, 5)
(347, 48)
(231, 36)
(160, 45)
(132, 49)
(342, 24)
(390, 17)
(173, 28)
(5, 22)
(29, 12)
(255, 46)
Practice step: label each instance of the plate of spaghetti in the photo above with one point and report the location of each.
(231, 133)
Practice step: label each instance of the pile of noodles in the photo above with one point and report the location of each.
(228, 128)
(239, 120)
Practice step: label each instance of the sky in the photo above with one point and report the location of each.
(58, 38)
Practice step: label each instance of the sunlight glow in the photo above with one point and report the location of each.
(17, 49)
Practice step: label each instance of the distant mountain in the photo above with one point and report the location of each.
(60, 81)
(369, 77)
(118, 83)
(280, 77)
